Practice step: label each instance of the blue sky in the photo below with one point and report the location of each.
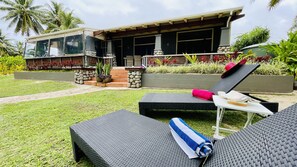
(102, 14)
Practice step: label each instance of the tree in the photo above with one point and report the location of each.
(257, 35)
(19, 48)
(5, 46)
(52, 14)
(273, 3)
(23, 15)
(59, 19)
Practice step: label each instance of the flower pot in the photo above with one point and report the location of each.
(107, 78)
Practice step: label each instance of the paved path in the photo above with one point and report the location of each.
(80, 89)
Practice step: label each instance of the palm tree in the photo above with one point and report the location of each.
(5, 45)
(69, 21)
(59, 19)
(53, 13)
(19, 48)
(273, 3)
(23, 15)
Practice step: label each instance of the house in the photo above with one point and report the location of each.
(205, 33)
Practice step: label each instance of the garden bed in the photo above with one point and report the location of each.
(253, 83)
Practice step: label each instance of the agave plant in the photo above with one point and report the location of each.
(99, 69)
(106, 73)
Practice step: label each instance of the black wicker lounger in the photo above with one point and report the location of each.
(123, 138)
(155, 101)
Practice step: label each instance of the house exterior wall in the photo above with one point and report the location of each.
(169, 41)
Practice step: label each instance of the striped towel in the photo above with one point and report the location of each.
(194, 144)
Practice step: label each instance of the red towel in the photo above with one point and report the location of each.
(201, 93)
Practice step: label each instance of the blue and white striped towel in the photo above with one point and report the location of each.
(194, 144)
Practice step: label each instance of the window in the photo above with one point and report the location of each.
(42, 48)
(30, 49)
(92, 46)
(144, 45)
(195, 41)
(57, 47)
(74, 44)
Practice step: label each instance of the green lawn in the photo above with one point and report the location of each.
(12, 87)
(36, 133)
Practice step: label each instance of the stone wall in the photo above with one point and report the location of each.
(134, 79)
(83, 75)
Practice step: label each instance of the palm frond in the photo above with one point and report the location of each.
(273, 3)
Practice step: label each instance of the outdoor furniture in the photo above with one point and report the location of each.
(185, 101)
(137, 60)
(123, 138)
(129, 61)
(251, 109)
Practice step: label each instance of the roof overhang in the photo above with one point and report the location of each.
(210, 19)
(59, 34)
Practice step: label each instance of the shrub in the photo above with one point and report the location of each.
(257, 35)
(9, 64)
(286, 51)
(275, 68)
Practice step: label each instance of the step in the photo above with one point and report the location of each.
(90, 83)
(120, 79)
(119, 73)
(113, 84)
(117, 84)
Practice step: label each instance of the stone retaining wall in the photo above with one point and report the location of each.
(134, 79)
(83, 75)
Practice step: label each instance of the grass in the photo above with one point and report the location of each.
(36, 133)
(11, 87)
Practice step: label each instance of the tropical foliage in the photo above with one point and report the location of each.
(5, 46)
(286, 51)
(23, 15)
(191, 58)
(257, 35)
(277, 68)
(59, 18)
(9, 64)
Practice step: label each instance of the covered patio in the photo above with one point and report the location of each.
(205, 34)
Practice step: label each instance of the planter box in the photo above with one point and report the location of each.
(253, 83)
(56, 76)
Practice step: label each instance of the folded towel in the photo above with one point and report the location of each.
(201, 93)
(194, 144)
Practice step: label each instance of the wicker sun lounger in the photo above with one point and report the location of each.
(185, 101)
(124, 138)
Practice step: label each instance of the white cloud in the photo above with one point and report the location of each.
(174, 4)
(110, 7)
(112, 13)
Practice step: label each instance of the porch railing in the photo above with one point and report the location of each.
(180, 59)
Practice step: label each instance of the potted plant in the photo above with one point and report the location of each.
(99, 69)
(106, 73)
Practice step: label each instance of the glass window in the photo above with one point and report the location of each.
(145, 40)
(30, 50)
(90, 43)
(92, 46)
(42, 48)
(74, 44)
(194, 35)
(194, 42)
(144, 45)
(57, 47)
